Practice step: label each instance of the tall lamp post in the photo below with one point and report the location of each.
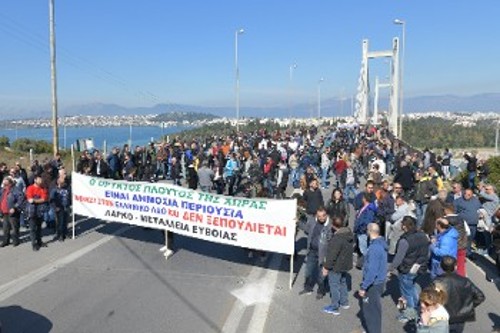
(401, 76)
(319, 97)
(292, 68)
(237, 69)
(53, 78)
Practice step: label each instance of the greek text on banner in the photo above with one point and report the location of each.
(260, 224)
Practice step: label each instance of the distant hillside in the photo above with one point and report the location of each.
(183, 116)
(329, 107)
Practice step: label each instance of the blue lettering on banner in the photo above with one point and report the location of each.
(207, 209)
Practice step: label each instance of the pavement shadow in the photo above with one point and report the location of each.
(297, 265)
(360, 311)
(495, 318)
(18, 319)
(195, 308)
(486, 265)
(392, 288)
(208, 249)
(81, 228)
(300, 244)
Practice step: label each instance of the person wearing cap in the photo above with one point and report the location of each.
(37, 197)
(11, 202)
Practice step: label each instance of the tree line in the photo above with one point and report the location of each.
(436, 132)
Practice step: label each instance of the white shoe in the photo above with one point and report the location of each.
(168, 254)
(163, 249)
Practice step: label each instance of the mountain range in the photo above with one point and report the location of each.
(489, 102)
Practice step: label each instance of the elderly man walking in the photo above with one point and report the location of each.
(374, 275)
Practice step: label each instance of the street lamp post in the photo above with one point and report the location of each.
(292, 68)
(237, 69)
(319, 97)
(53, 77)
(401, 76)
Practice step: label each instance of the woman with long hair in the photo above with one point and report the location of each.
(338, 207)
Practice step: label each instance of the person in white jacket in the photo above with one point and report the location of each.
(393, 229)
(325, 168)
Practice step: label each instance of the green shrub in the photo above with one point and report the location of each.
(4, 141)
(38, 146)
(494, 166)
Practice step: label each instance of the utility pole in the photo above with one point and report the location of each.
(53, 78)
(237, 70)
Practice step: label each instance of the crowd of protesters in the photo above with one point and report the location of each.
(30, 199)
(406, 221)
(407, 224)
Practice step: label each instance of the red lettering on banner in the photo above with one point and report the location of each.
(193, 217)
(82, 198)
(173, 212)
(105, 202)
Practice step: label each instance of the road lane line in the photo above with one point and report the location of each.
(258, 291)
(261, 311)
(11, 288)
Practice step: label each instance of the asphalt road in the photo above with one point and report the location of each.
(112, 278)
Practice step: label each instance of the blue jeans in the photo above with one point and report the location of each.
(471, 179)
(350, 193)
(312, 270)
(50, 218)
(338, 288)
(420, 209)
(408, 290)
(324, 176)
(62, 223)
(472, 237)
(363, 244)
(294, 178)
(371, 308)
(436, 269)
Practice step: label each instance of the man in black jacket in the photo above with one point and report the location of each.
(463, 295)
(404, 176)
(410, 261)
(318, 232)
(337, 264)
(313, 199)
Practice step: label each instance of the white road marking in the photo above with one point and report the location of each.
(11, 288)
(261, 311)
(258, 293)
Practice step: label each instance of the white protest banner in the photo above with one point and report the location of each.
(260, 224)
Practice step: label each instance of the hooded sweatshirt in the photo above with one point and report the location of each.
(375, 265)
